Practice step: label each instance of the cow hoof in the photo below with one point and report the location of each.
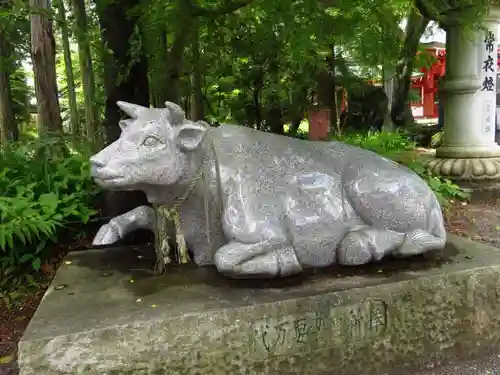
(353, 250)
(106, 235)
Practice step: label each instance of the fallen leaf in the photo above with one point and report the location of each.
(8, 359)
(46, 268)
(138, 300)
(131, 281)
(154, 306)
(68, 262)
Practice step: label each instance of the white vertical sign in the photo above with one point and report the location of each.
(488, 61)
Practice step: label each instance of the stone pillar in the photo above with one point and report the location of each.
(469, 151)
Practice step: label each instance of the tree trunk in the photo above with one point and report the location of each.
(326, 90)
(8, 126)
(388, 78)
(197, 104)
(189, 12)
(400, 111)
(153, 32)
(121, 83)
(335, 109)
(295, 125)
(158, 81)
(176, 59)
(70, 79)
(274, 120)
(44, 68)
(257, 108)
(85, 57)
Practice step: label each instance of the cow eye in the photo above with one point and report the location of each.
(150, 141)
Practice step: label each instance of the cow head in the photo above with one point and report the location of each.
(157, 146)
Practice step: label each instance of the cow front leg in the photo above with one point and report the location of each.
(263, 260)
(142, 217)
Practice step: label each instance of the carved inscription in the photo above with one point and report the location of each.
(488, 62)
(275, 336)
(367, 319)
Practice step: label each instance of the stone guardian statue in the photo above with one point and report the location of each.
(260, 205)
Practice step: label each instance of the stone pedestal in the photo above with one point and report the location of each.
(469, 151)
(105, 315)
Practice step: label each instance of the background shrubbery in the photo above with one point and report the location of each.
(44, 187)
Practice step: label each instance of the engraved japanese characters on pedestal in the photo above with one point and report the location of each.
(260, 205)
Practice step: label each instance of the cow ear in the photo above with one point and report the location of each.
(124, 124)
(190, 136)
(176, 112)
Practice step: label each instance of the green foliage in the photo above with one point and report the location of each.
(384, 143)
(397, 146)
(21, 93)
(44, 185)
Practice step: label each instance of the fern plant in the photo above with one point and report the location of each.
(44, 185)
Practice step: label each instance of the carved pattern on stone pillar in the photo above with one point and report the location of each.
(483, 169)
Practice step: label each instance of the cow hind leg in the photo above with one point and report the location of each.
(266, 259)
(365, 244)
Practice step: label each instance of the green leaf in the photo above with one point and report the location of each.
(10, 239)
(25, 258)
(18, 231)
(36, 264)
(48, 202)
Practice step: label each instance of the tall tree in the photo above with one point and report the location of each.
(197, 104)
(44, 67)
(187, 14)
(68, 65)
(85, 57)
(401, 112)
(8, 127)
(126, 74)
(126, 79)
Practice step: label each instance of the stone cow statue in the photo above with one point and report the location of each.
(266, 205)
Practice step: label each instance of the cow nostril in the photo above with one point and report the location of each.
(96, 163)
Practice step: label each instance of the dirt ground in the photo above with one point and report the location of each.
(479, 221)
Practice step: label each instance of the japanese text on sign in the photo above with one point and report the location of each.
(489, 64)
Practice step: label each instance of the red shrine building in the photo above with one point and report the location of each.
(424, 85)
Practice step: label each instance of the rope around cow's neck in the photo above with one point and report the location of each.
(167, 218)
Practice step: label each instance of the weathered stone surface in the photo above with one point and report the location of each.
(394, 318)
(489, 365)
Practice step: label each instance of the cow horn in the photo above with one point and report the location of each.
(132, 110)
